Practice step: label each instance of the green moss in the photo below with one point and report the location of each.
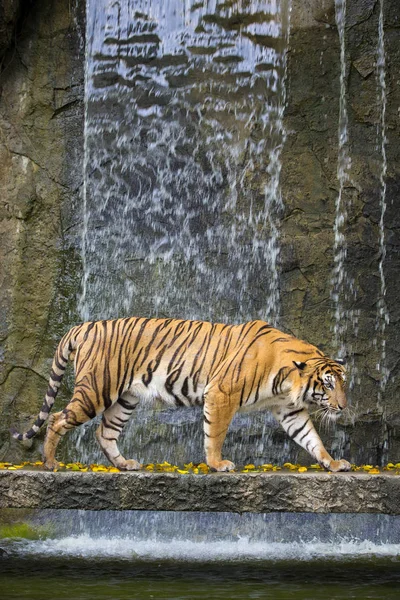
(25, 531)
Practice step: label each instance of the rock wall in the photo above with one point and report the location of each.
(310, 188)
(41, 153)
(41, 146)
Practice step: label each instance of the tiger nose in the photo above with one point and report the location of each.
(342, 401)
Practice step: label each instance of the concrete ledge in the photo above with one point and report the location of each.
(217, 492)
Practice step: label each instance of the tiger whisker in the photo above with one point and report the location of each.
(325, 420)
(318, 414)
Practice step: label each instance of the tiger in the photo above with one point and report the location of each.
(223, 368)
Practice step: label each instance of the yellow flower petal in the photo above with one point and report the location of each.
(302, 469)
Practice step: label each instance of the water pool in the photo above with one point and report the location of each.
(39, 577)
(137, 555)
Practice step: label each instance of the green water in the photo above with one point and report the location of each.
(48, 577)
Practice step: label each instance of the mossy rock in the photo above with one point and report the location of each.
(15, 524)
(25, 531)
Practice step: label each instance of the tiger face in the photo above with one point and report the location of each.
(323, 384)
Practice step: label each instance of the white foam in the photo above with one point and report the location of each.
(185, 550)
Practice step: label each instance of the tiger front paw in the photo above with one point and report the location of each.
(51, 464)
(222, 465)
(339, 465)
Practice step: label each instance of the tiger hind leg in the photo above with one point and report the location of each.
(113, 421)
(79, 410)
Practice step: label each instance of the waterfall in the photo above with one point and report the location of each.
(219, 537)
(184, 130)
(339, 276)
(183, 136)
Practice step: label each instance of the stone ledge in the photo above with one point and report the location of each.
(216, 492)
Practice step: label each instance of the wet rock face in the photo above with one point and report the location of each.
(41, 117)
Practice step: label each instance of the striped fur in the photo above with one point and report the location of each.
(224, 368)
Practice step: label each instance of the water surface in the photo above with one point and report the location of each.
(41, 577)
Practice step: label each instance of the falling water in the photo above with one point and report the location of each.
(184, 106)
(144, 535)
(343, 169)
(382, 316)
(183, 138)
(343, 291)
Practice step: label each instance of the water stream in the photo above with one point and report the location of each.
(382, 314)
(184, 130)
(343, 292)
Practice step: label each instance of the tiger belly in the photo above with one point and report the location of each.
(178, 394)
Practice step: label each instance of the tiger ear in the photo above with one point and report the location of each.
(340, 361)
(299, 365)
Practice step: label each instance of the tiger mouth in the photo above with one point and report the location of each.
(328, 414)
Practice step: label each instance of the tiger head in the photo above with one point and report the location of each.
(323, 382)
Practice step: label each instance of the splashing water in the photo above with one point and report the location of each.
(218, 537)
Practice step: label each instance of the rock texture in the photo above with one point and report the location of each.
(41, 155)
(41, 145)
(258, 493)
(310, 188)
(9, 12)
